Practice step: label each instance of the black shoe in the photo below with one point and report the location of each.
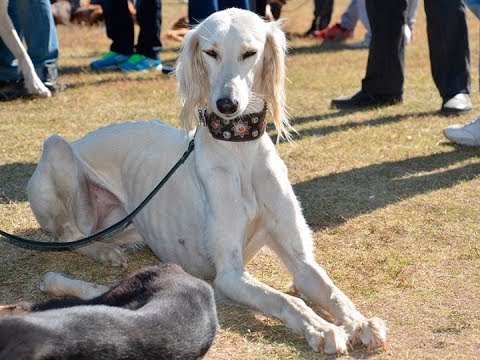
(362, 99)
(13, 89)
(456, 104)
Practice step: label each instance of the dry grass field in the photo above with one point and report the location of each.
(395, 208)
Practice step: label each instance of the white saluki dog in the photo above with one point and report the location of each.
(225, 203)
(11, 39)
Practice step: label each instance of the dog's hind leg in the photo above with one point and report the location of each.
(59, 285)
(67, 203)
(11, 310)
(107, 253)
(11, 39)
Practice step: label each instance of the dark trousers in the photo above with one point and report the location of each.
(199, 10)
(447, 40)
(322, 14)
(260, 6)
(119, 24)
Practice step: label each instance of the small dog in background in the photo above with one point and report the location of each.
(158, 312)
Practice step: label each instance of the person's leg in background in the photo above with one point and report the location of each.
(241, 4)
(38, 28)
(363, 17)
(260, 6)
(411, 13)
(199, 10)
(385, 72)
(9, 70)
(322, 14)
(119, 25)
(449, 53)
(149, 17)
(383, 82)
(469, 133)
(350, 17)
(343, 29)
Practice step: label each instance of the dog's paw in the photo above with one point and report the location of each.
(372, 333)
(36, 87)
(331, 341)
(52, 283)
(112, 255)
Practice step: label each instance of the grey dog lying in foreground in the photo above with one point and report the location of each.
(158, 312)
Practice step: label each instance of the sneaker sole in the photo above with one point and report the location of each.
(450, 111)
(155, 68)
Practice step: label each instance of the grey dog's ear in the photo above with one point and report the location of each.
(192, 79)
(271, 78)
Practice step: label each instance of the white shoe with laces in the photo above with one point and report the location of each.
(468, 134)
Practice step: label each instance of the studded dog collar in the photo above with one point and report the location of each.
(243, 128)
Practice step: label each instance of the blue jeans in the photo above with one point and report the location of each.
(199, 10)
(474, 5)
(33, 21)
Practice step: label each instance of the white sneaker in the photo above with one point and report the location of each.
(407, 33)
(468, 134)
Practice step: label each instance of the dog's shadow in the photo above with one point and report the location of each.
(13, 181)
(325, 46)
(322, 130)
(330, 200)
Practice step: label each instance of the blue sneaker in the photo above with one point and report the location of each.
(109, 61)
(139, 62)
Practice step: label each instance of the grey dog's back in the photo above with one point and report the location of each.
(158, 312)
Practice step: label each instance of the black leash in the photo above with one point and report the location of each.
(111, 230)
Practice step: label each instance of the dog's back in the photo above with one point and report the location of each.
(156, 313)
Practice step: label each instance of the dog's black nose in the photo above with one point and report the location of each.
(227, 106)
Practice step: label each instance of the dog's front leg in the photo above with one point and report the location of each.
(59, 285)
(243, 288)
(226, 228)
(11, 39)
(292, 242)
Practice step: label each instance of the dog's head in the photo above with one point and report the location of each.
(230, 61)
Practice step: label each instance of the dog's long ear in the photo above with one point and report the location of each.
(192, 79)
(271, 78)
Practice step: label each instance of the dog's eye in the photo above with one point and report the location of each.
(211, 53)
(248, 54)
